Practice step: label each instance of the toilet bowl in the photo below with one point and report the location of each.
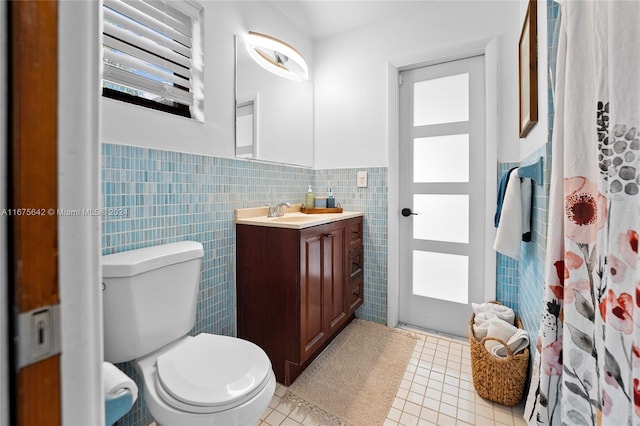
(204, 380)
(150, 298)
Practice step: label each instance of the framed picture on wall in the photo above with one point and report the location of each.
(528, 70)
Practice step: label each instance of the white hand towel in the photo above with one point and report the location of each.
(500, 329)
(509, 234)
(481, 307)
(481, 324)
(115, 380)
(501, 311)
(518, 342)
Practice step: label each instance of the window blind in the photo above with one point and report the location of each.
(147, 50)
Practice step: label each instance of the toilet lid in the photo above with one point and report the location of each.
(213, 371)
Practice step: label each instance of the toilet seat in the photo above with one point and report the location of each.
(211, 373)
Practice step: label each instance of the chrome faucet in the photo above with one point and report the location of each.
(276, 211)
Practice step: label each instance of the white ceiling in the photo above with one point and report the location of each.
(325, 18)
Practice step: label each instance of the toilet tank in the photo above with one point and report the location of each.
(149, 298)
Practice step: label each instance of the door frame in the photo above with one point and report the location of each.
(4, 177)
(488, 48)
(79, 48)
(79, 237)
(33, 239)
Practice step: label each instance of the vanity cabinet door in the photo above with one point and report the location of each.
(313, 292)
(322, 284)
(334, 272)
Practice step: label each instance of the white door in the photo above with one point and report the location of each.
(442, 175)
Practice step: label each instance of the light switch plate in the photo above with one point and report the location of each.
(362, 179)
(38, 334)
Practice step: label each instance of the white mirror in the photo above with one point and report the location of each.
(274, 115)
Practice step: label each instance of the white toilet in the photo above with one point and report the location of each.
(150, 297)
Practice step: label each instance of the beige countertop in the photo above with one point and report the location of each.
(293, 218)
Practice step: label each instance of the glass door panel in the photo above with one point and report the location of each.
(441, 100)
(441, 276)
(441, 217)
(441, 158)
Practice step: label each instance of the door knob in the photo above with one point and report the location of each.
(406, 212)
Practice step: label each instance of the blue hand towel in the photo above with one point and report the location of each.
(502, 189)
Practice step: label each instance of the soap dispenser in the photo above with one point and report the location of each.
(331, 201)
(309, 199)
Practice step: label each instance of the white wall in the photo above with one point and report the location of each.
(351, 76)
(128, 124)
(538, 134)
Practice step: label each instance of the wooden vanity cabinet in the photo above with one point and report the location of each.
(297, 289)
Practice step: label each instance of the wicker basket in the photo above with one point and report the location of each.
(500, 380)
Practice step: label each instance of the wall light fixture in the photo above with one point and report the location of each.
(277, 56)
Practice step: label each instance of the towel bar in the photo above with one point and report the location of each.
(533, 171)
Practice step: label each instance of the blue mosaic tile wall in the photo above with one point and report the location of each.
(507, 274)
(167, 196)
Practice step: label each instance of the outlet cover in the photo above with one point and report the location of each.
(362, 179)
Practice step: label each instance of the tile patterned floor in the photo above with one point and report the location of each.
(437, 389)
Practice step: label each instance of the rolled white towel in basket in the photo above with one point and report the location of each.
(481, 324)
(518, 342)
(501, 311)
(500, 329)
(485, 313)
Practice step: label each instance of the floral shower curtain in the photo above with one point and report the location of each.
(587, 369)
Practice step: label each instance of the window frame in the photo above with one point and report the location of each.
(194, 12)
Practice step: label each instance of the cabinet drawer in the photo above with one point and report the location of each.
(356, 263)
(354, 233)
(355, 293)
